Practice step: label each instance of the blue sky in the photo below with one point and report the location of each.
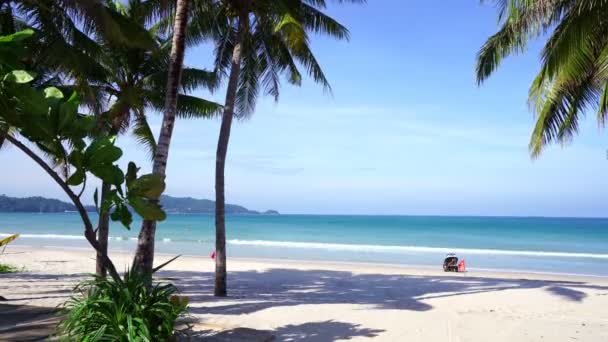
(406, 131)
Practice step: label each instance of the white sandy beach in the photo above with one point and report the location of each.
(312, 301)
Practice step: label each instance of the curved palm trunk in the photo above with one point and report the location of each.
(144, 255)
(220, 164)
(103, 231)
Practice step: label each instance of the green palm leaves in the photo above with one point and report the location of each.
(131, 80)
(276, 45)
(256, 44)
(4, 242)
(574, 70)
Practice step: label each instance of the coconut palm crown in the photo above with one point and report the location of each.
(573, 77)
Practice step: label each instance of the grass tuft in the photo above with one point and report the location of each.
(8, 269)
(107, 310)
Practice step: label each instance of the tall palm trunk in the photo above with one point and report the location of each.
(103, 231)
(144, 255)
(220, 162)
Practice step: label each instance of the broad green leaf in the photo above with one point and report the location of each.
(76, 178)
(102, 151)
(53, 93)
(19, 76)
(74, 98)
(17, 36)
(33, 105)
(147, 209)
(67, 114)
(79, 129)
(76, 158)
(126, 217)
(122, 214)
(108, 173)
(115, 215)
(150, 186)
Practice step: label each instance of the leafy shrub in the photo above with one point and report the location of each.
(3, 242)
(8, 268)
(110, 310)
(7, 240)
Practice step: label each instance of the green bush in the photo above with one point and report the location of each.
(4, 268)
(107, 310)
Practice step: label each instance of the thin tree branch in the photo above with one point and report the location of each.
(84, 185)
(89, 233)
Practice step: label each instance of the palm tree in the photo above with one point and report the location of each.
(134, 79)
(144, 256)
(256, 42)
(573, 76)
(58, 41)
(63, 48)
(63, 33)
(118, 79)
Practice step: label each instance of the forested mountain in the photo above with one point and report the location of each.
(39, 204)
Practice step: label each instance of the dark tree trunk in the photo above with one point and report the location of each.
(103, 231)
(144, 255)
(220, 163)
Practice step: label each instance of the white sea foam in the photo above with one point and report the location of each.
(355, 247)
(415, 249)
(64, 237)
(47, 236)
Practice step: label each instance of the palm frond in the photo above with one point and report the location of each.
(307, 58)
(192, 107)
(573, 44)
(522, 21)
(560, 106)
(188, 107)
(192, 78)
(320, 23)
(143, 134)
(248, 87)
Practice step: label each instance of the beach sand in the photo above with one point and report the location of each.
(314, 301)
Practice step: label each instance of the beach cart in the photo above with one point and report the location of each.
(450, 263)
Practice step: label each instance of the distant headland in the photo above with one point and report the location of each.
(178, 205)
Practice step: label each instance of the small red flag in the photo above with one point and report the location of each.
(213, 255)
(461, 266)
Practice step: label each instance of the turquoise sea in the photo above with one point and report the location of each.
(556, 245)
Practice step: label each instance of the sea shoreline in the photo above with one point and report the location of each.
(544, 245)
(349, 265)
(329, 301)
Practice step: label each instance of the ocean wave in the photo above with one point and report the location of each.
(415, 249)
(65, 237)
(81, 237)
(47, 236)
(350, 247)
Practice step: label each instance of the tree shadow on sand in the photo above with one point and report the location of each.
(326, 331)
(23, 287)
(255, 291)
